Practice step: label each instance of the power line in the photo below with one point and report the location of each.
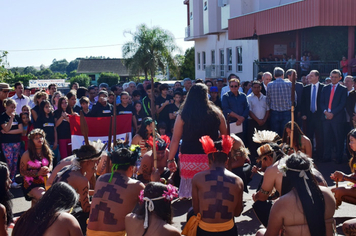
(67, 48)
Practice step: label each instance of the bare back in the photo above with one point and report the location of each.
(64, 225)
(217, 195)
(113, 201)
(289, 212)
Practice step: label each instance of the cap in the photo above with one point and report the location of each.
(220, 80)
(4, 86)
(214, 89)
(103, 85)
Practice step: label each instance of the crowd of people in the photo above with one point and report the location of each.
(200, 142)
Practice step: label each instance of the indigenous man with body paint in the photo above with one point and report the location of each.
(78, 175)
(216, 193)
(115, 194)
(147, 162)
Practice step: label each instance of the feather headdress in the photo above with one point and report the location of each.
(161, 143)
(209, 145)
(265, 136)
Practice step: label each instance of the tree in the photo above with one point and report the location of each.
(82, 80)
(188, 66)
(30, 70)
(24, 78)
(175, 66)
(150, 49)
(44, 74)
(59, 66)
(3, 72)
(73, 65)
(109, 78)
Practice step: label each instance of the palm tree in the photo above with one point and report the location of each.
(151, 48)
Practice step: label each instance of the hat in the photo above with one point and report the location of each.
(4, 86)
(27, 88)
(103, 85)
(214, 89)
(220, 80)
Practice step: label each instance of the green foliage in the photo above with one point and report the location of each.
(24, 78)
(30, 70)
(109, 78)
(4, 73)
(82, 80)
(73, 65)
(72, 74)
(187, 69)
(44, 73)
(150, 49)
(59, 66)
(327, 43)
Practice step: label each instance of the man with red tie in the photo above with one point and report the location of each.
(333, 101)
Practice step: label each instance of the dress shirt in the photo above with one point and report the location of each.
(279, 95)
(20, 102)
(316, 95)
(258, 105)
(227, 89)
(237, 104)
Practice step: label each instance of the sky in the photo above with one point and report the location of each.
(81, 28)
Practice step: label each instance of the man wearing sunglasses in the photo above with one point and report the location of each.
(235, 104)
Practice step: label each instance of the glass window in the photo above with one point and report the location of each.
(198, 60)
(239, 59)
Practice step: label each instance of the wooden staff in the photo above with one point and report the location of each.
(292, 109)
(109, 147)
(84, 127)
(228, 124)
(114, 131)
(153, 111)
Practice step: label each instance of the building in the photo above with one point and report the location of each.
(93, 68)
(216, 56)
(232, 36)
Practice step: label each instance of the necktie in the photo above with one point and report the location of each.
(331, 97)
(313, 99)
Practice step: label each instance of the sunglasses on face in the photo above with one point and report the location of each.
(234, 86)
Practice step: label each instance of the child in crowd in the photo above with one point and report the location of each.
(63, 128)
(45, 121)
(138, 114)
(11, 130)
(27, 128)
(111, 98)
(72, 100)
(26, 109)
(174, 107)
(84, 103)
(55, 98)
(125, 106)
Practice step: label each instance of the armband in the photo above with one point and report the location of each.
(264, 191)
(169, 161)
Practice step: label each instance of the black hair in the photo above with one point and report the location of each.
(177, 93)
(297, 134)
(313, 206)
(231, 75)
(124, 158)
(17, 84)
(84, 152)
(208, 81)
(259, 76)
(81, 92)
(136, 93)
(162, 207)
(219, 156)
(49, 86)
(5, 194)
(60, 197)
(59, 108)
(195, 106)
(91, 88)
(352, 153)
(163, 87)
(197, 81)
(143, 131)
(41, 110)
(148, 87)
(69, 95)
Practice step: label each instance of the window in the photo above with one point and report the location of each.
(222, 70)
(239, 59)
(198, 60)
(213, 59)
(229, 58)
(204, 60)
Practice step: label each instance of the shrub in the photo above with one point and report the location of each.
(109, 78)
(82, 80)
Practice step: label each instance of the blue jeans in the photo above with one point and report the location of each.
(278, 120)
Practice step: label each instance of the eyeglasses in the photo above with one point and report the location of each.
(234, 86)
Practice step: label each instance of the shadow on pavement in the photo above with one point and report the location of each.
(339, 221)
(248, 227)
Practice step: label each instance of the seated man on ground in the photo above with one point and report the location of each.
(154, 216)
(78, 175)
(115, 195)
(239, 162)
(304, 207)
(147, 162)
(216, 193)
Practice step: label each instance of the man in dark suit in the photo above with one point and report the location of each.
(266, 78)
(311, 112)
(333, 102)
(299, 91)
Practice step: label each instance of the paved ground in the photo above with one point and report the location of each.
(247, 223)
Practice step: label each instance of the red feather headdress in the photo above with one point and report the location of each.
(209, 145)
(161, 143)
